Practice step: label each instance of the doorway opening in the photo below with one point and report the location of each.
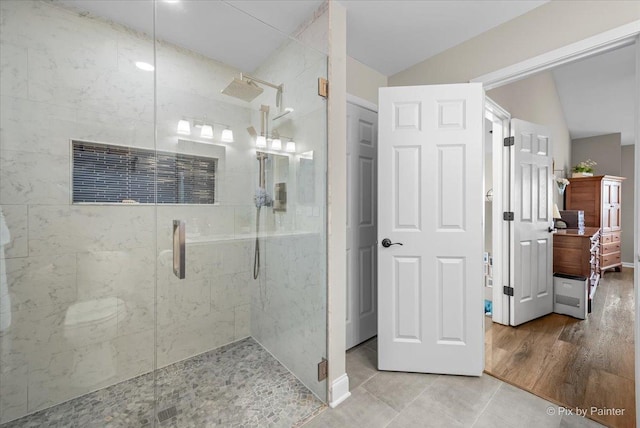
(574, 363)
(362, 192)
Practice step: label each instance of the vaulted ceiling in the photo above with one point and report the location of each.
(597, 94)
(386, 35)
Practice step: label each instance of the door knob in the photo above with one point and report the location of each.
(386, 243)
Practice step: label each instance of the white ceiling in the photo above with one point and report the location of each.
(597, 94)
(220, 30)
(392, 35)
(388, 36)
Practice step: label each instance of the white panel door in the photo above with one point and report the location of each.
(532, 243)
(430, 199)
(362, 147)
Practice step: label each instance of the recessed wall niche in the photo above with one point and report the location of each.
(104, 173)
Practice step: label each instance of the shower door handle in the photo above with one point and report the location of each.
(178, 248)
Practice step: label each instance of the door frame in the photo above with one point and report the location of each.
(501, 120)
(361, 102)
(624, 35)
(609, 40)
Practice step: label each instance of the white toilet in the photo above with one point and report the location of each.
(88, 326)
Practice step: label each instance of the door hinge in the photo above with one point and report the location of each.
(323, 87)
(508, 216)
(507, 290)
(323, 369)
(509, 141)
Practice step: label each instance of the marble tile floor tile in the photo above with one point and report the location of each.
(410, 400)
(237, 385)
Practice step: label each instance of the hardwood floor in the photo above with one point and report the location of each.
(575, 363)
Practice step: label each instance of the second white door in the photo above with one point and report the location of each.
(362, 189)
(531, 262)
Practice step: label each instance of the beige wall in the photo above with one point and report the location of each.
(603, 149)
(550, 26)
(628, 191)
(336, 206)
(536, 100)
(363, 81)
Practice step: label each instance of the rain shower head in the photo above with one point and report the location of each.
(245, 90)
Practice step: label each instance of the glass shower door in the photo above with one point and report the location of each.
(241, 335)
(113, 127)
(77, 217)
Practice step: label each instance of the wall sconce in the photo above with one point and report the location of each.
(184, 127)
(291, 147)
(276, 144)
(206, 131)
(227, 136)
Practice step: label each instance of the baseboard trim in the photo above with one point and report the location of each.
(628, 265)
(339, 391)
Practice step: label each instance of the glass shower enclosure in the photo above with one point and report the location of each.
(162, 214)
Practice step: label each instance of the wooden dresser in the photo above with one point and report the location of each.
(577, 252)
(600, 199)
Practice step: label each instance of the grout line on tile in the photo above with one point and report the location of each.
(367, 379)
(380, 401)
(414, 399)
(487, 405)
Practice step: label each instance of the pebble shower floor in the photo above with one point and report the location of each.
(237, 385)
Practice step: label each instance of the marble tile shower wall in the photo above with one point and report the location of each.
(66, 76)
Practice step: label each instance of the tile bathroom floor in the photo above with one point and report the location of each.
(409, 400)
(237, 385)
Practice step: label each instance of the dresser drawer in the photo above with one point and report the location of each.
(611, 259)
(612, 247)
(607, 238)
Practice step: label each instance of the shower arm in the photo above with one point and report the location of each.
(262, 82)
(280, 87)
